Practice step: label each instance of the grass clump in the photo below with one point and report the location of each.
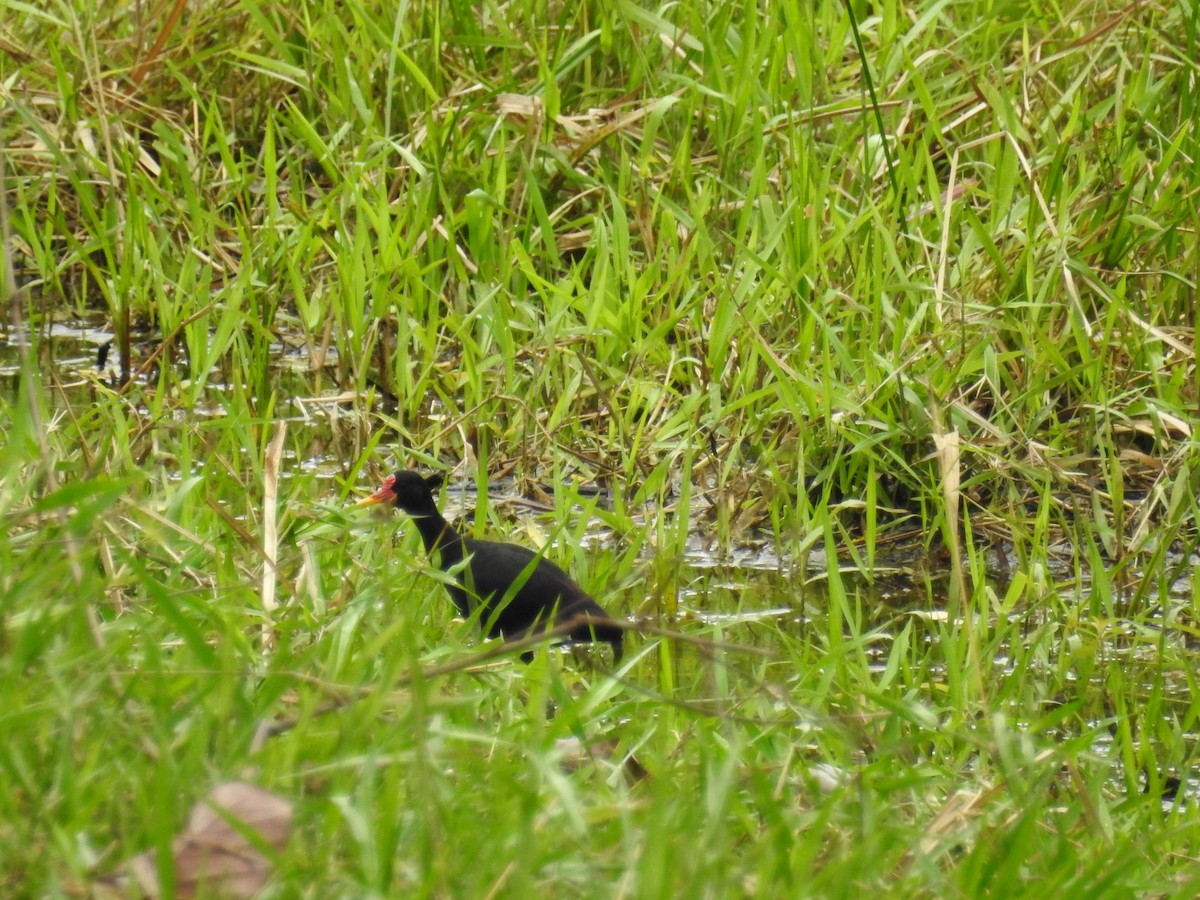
(741, 266)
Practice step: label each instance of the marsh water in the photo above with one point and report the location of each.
(739, 586)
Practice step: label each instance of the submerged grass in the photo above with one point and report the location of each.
(739, 263)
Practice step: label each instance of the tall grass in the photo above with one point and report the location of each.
(736, 263)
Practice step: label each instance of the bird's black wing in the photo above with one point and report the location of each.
(524, 591)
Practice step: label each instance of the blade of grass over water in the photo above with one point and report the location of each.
(844, 352)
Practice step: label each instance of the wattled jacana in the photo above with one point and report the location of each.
(521, 592)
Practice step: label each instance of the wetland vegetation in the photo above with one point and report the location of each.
(846, 349)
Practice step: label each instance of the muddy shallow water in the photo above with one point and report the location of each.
(737, 588)
(77, 358)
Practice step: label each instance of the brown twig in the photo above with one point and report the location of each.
(164, 33)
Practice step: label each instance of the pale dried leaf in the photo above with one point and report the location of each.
(1175, 424)
(958, 810)
(573, 240)
(828, 778)
(270, 528)
(1137, 457)
(520, 106)
(948, 453)
(948, 450)
(213, 856)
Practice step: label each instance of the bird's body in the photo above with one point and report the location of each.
(521, 592)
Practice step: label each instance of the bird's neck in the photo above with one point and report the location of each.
(439, 536)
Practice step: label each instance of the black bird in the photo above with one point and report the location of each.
(521, 592)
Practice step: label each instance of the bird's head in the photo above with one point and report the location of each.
(409, 491)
